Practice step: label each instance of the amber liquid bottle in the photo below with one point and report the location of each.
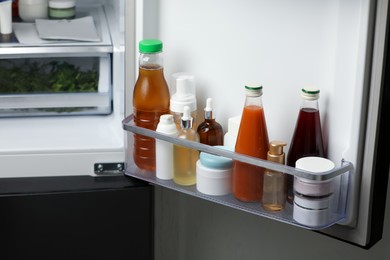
(210, 131)
(184, 159)
(150, 101)
(252, 140)
(307, 138)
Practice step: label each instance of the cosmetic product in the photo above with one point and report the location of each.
(210, 131)
(62, 9)
(29, 10)
(214, 173)
(230, 137)
(164, 150)
(274, 182)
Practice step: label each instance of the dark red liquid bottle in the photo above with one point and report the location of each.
(307, 139)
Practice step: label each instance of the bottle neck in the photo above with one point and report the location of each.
(151, 60)
(309, 104)
(254, 101)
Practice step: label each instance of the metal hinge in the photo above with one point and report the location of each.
(109, 168)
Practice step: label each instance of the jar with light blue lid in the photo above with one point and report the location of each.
(214, 173)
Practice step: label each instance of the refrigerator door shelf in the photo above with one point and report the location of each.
(332, 215)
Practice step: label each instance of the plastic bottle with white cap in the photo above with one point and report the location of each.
(183, 88)
(164, 150)
(210, 131)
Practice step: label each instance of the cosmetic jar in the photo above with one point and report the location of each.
(214, 174)
(313, 200)
(312, 212)
(62, 9)
(313, 188)
(29, 10)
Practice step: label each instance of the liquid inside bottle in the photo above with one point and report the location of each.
(307, 138)
(252, 140)
(274, 189)
(184, 169)
(150, 101)
(210, 131)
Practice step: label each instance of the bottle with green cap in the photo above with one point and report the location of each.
(307, 139)
(150, 100)
(252, 140)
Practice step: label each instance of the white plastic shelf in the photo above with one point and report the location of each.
(286, 215)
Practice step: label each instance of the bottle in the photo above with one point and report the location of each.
(210, 131)
(274, 182)
(307, 137)
(184, 169)
(252, 140)
(184, 85)
(150, 101)
(164, 150)
(230, 138)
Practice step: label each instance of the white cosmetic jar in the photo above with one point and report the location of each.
(314, 188)
(29, 10)
(312, 212)
(214, 174)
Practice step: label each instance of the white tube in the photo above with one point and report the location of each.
(6, 17)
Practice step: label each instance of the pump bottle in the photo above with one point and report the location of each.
(274, 182)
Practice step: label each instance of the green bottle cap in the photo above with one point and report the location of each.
(150, 46)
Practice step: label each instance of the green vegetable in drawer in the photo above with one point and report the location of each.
(50, 77)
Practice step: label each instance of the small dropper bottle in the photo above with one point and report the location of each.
(210, 131)
(184, 168)
(274, 183)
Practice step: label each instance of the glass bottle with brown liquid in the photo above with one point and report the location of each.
(150, 101)
(210, 131)
(307, 138)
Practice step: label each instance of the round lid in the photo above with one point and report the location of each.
(315, 165)
(216, 161)
(167, 125)
(150, 46)
(310, 93)
(62, 3)
(253, 90)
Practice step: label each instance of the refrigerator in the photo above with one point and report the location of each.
(339, 46)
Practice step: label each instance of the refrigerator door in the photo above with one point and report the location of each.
(337, 46)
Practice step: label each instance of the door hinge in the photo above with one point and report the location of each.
(109, 168)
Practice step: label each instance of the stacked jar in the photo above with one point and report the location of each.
(313, 199)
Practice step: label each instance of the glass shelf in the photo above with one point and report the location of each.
(340, 174)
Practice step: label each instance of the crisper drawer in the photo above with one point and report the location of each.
(317, 213)
(56, 86)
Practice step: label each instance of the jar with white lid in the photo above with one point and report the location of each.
(29, 10)
(62, 9)
(313, 200)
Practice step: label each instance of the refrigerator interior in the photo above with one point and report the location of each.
(285, 45)
(51, 145)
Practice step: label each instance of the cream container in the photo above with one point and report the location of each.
(29, 10)
(214, 174)
(62, 9)
(312, 212)
(312, 188)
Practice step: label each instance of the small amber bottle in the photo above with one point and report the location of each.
(184, 159)
(210, 131)
(274, 182)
